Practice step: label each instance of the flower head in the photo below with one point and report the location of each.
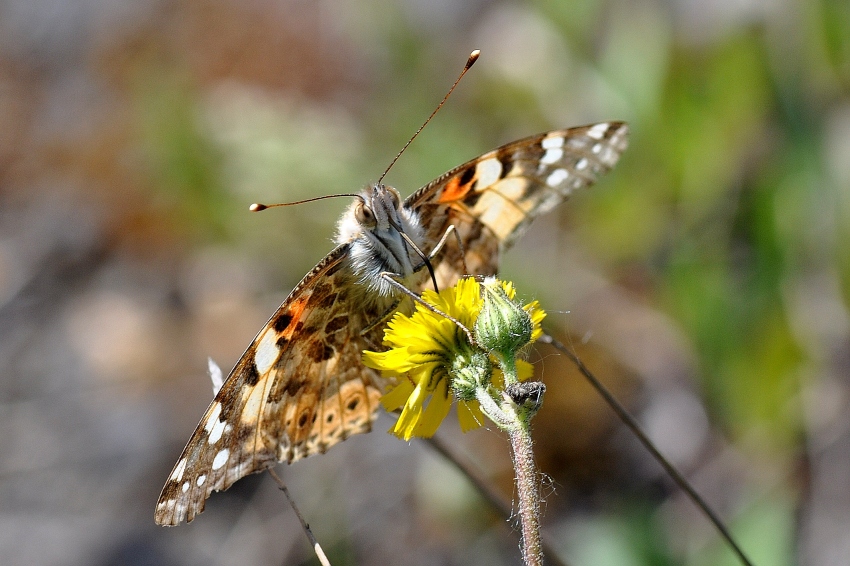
(433, 362)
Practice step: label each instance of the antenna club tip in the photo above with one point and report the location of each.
(257, 207)
(473, 57)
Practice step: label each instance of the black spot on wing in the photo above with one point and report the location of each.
(251, 375)
(507, 162)
(282, 322)
(472, 197)
(336, 324)
(321, 290)
(467, 175)
(303, 418)
(229, 399)
(319, 351)
(294, 386)
(327, 301)
(244, 432)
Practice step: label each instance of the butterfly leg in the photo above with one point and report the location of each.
(442, 242)
(390, 279)
(451, 230)
(439, 247)
(381, 319)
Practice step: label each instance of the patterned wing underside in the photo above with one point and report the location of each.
(492, 200)
(284, 403)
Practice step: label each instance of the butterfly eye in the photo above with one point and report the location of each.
(364, 216)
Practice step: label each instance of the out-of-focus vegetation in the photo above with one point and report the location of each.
(706, 279)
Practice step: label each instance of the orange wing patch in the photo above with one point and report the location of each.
(298, 389)
(458, 187)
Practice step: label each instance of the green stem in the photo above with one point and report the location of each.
(516, 422)
(528, 493)
(494, 412)
(508, 366)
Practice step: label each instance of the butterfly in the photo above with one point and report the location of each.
(301, 387)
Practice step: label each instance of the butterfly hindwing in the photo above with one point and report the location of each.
(298, 389)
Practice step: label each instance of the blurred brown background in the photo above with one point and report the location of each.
(706, 279)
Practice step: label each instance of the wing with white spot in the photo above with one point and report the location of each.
(298, 389)
(492, 200)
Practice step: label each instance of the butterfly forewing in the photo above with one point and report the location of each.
(491, 200)
(505, 189)
(300, 387)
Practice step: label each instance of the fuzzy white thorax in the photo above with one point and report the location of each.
(369, 225)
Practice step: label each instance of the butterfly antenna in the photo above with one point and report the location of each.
(257, 207)
(473, 57)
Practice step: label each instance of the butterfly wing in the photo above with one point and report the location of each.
(298, 389)
(492, 200)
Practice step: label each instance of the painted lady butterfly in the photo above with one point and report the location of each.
(300, 387)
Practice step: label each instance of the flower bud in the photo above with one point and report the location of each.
(503, 327)
(470, 370)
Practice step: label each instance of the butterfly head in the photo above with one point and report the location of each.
(373, 225)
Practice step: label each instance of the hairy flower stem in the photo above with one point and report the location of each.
(516, 421)
(528, 492)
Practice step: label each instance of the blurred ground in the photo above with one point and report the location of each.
(706, 280)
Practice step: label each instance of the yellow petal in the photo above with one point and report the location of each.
(524, 370)
(437, 409)
(410, 415)
(397, 360)
(537, 315)
(509, 289)
(396, 397)
(469, 415)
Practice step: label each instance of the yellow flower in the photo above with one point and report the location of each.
(432, 361)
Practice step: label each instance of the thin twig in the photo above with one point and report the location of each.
(633, 425)
(317, 548)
